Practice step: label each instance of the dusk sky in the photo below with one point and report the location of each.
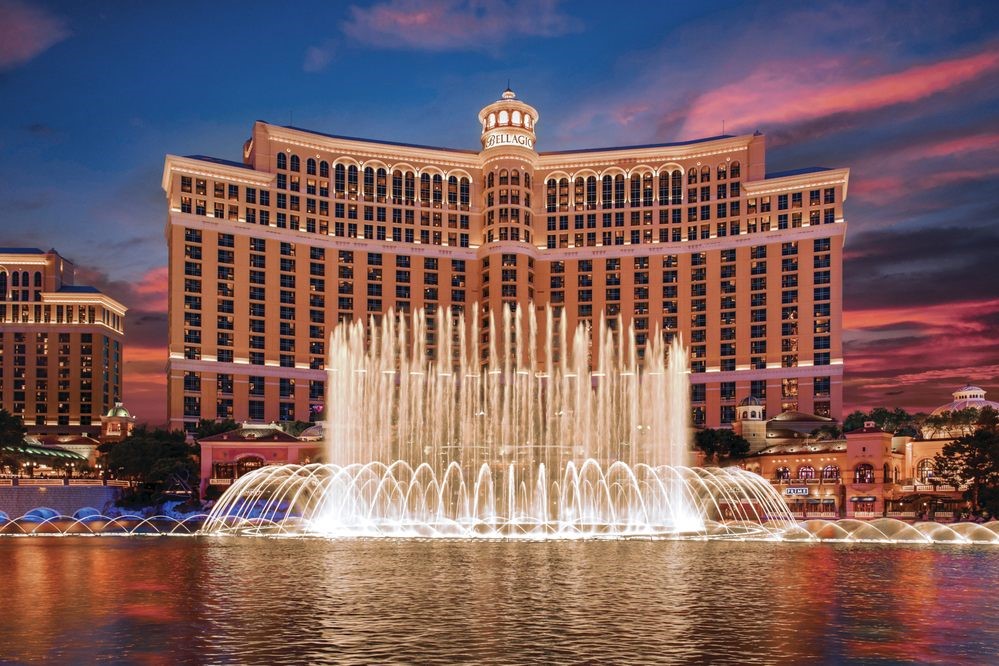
(906, 95)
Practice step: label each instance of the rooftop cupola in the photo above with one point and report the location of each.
(508, 123)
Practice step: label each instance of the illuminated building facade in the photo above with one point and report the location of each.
(61, 344)
(692, 238)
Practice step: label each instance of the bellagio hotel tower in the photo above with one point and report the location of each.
(693, 238)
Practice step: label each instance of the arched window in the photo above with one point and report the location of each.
(492, 120)
(514, 177)
(381, 182)
(579, 192)
(677, 193)
(705, 174)
(527, 179)
(897, 476)
(504, 177)
(692, 176)
(324, 169)
(636, 190)
(619, 191)
(734, 170)
(830, 473)
(425, 187)
(352, 179)
(722, 172)
(38, 279)
(296, 164)
(491, 180)
(339, 179)
(607, 192)
(504, 118)
(647, 189)
(3, 285)
(465, 192)
(591, 193)
(397, 186)
(15, 280)
(806, 472)
(369, 182)
(925, 470)
(438, 181)
(528, 120)
(282, 161)
(551, 192)
(563, 194)
(452, 191)
(886, 472)
(782, 474)
(310, 167)
(248, 464)
(515, 117)
(410, 187)
(863, 473)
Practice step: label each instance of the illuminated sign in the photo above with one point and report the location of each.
(796, 490)
(509, 139)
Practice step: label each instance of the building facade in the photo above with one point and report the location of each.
(693, 239)
(61, 344)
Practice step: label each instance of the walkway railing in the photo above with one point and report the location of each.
(32, 482)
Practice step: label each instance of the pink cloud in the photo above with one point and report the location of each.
(454, 24)
(152, 290)
(914, 357)
(776, 95)
(26, 31)
(318, 57)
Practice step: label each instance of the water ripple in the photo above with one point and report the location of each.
(285, 601)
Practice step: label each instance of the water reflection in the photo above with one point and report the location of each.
(164, 600)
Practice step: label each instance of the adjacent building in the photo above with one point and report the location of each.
(694, 238)
(60, 345)
(867, 473)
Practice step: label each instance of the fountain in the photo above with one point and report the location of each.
(509, 438)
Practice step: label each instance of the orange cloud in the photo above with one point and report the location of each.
(152, 288)
(774, 95)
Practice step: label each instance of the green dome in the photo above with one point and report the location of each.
(119, 410)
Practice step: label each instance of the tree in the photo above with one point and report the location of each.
(855, 421)
(973, 459)
(296, 428)
(827, 431)
(208, 427)
(11, 429)
(718, 445)
(159, 458)
(11, 434)
(889, 420)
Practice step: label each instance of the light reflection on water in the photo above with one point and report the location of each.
(230, 600)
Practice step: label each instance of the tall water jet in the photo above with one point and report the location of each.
(503, 427)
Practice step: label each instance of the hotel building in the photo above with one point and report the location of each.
(60, 344)
(310, 229)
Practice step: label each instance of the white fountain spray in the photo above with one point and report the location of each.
(527, 434)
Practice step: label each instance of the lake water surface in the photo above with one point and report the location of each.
(239, 600)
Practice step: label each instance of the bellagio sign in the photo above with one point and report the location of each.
(497, 139)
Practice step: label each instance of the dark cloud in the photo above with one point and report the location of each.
(911, 267)
(39, 129)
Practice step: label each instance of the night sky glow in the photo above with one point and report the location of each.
(904, 94)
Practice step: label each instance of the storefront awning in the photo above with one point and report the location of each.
(43, 453)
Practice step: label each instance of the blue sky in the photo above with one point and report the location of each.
(905, 94)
